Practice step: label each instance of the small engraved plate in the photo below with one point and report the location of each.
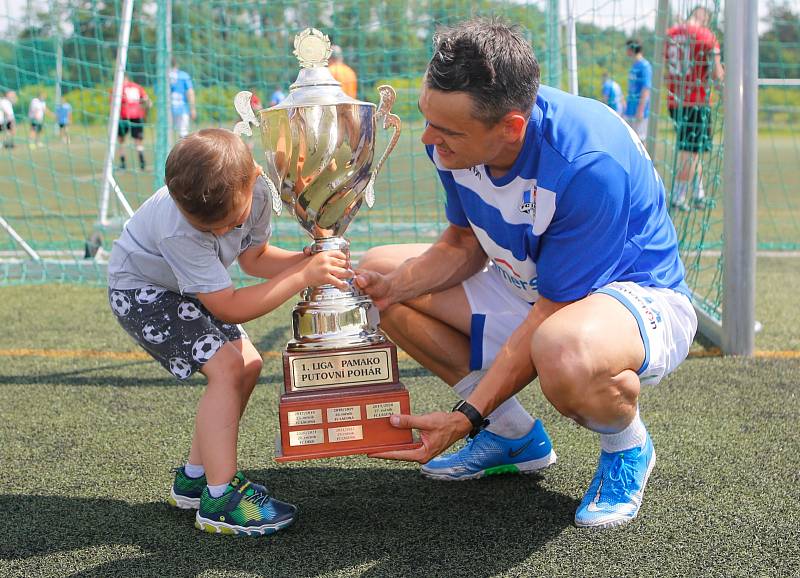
(350, 413)
(345, 434)
(306, 437)
(305, 417)
(348, 368)
(379, 410)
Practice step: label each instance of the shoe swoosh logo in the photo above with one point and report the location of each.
(519, 450)
(592, 507)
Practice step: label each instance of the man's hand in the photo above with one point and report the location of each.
(377, 286)
(438, 431)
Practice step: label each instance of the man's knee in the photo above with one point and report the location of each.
(386, 258)
(577, 383)
(563, 364)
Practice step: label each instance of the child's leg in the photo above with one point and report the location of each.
(217, 421)
(252, 368)
(253, 363)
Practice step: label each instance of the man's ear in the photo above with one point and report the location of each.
(514, 124)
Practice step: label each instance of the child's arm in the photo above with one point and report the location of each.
(245, 304)
(266, 261)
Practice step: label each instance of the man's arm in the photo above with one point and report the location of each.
(454, 257)
(190, 99)
(511, 371)
(644, 97)
(718, 73)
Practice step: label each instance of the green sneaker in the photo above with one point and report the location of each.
(186, 491)
(245, 508)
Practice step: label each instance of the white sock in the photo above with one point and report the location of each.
(632, 436)
(680, 193)
(700, 192)
(218, 490)
(194, 471)
(509, 420)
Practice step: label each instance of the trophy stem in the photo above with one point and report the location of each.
(329, 318)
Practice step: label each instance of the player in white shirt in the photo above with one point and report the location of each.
(36, 112)
(8, 123)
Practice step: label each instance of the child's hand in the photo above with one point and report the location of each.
(327, 268)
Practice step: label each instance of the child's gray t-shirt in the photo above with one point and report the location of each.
(159, 247)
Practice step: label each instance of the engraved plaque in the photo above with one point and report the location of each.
(336, 370)
(349, 413)
(305, 417)
(306, 437)
(345, 434)
(379, 410)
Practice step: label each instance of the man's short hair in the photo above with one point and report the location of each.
(207, 173)
(490, 61)
(634, 45)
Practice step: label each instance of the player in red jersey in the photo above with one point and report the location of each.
(693, 58)
(135, 104)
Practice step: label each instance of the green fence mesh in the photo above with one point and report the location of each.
(65, 50)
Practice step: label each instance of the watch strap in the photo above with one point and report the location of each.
(473, 415)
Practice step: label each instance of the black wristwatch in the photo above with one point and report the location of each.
(473, 415)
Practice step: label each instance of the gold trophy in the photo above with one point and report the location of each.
(341, 379)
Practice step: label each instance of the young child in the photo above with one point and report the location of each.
(170, 289)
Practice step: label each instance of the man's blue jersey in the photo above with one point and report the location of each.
(639, 78)
(180, 83)
(583, 206)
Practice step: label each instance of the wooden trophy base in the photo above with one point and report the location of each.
(327, 419)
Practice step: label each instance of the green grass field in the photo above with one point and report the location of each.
(90, 430)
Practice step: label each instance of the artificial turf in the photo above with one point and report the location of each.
(87, 442)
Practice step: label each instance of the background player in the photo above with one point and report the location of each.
(133, 112)
(640, 81)
(693, 60)
(182, 100)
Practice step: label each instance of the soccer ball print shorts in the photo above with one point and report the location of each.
(176, 330)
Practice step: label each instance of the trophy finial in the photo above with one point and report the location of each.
(312, 48)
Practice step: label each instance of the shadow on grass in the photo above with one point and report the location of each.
(367, 521)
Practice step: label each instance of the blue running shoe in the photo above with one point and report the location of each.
(616, 491)
(488, 454)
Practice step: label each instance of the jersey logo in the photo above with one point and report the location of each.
(529, 203)
(505, 263)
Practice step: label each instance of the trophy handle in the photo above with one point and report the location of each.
(390, 120)
(241, 102)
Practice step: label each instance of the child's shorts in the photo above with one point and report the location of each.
(667, 321)
(176, 330)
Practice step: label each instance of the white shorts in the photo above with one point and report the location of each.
(667, 321)
(639, 126)
(181, 124)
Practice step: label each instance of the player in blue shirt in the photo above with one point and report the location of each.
(612, 94)
(640, 81)
(181, 92)
(559, 261)
(64, 119)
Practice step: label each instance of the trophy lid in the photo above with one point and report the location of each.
(315, 85)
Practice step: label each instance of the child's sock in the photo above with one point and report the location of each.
(194, 471)
(218, 490)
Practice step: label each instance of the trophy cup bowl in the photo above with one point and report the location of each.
(341, 380)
